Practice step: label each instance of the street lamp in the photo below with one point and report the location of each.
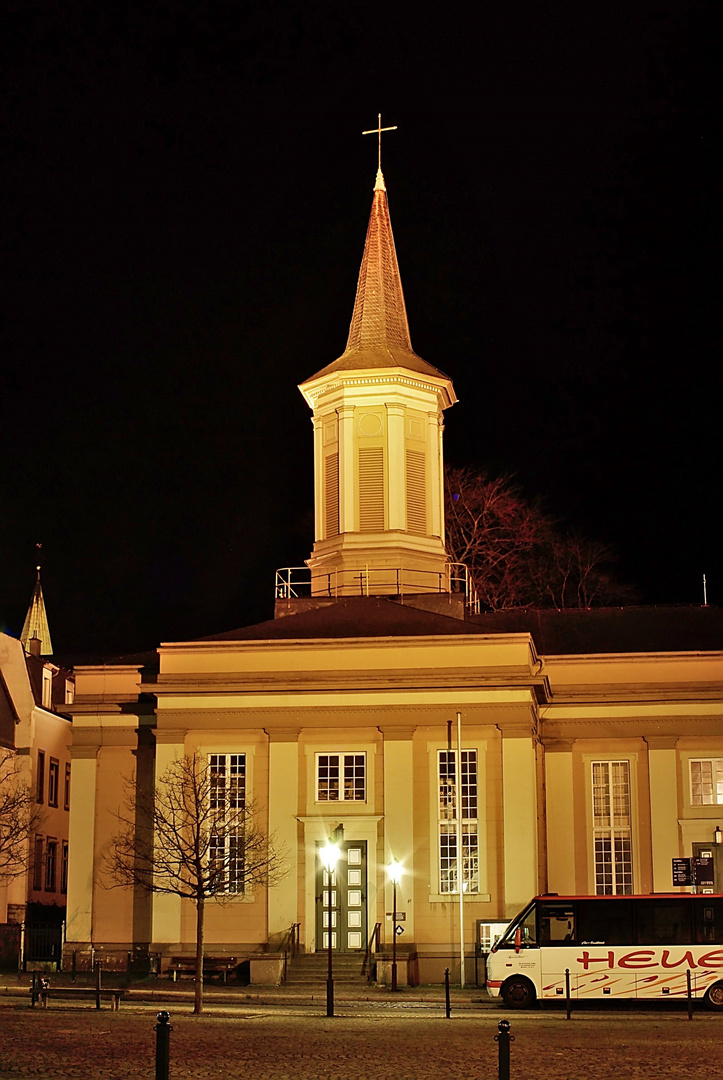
(329, 856)
(395, 871)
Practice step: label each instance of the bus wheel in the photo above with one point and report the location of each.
(518, 992)
(714, 996)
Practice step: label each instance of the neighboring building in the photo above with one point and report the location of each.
(591, 742)
(33, 696)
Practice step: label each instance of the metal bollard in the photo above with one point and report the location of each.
(447, 1005)
(163, 1045)
(567, 991)
(503, 1040)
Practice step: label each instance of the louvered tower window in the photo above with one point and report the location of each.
(416, 493)
(331, 495)
(371, 489)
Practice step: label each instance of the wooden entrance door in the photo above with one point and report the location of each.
(348, 899)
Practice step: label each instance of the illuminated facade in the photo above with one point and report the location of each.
(590, 742)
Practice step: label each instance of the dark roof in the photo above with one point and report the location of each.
(612, 630)
(353, 617)
(574, 631)
(146, 660)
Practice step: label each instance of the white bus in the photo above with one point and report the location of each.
(613, 947)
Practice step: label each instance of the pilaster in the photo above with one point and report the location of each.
(665, 835)
(81, 844)
(283, 810)
(519, 800)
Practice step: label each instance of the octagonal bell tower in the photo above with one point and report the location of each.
(378, 463)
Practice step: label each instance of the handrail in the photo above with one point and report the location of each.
(376, 933)
(290, 945)
(293, 582)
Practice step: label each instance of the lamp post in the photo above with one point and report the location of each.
(395, 870)
(329, 856)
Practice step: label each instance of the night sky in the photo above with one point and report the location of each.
(185, 191)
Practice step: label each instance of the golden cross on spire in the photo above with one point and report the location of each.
(378, 131)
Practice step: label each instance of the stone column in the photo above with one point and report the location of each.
(283, 826)
(560, 815)
(81, 844)
(664, 832)
(520, 818)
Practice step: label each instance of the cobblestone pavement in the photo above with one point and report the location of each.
(405, 1041)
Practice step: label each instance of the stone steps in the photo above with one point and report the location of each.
(310, 969)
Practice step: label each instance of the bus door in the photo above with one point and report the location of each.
(558, 949)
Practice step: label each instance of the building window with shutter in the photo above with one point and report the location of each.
(331, 495)
(40, 779)
(612, 827)
(416, 492)
(371, 489)
(51, 864)
(53, 781)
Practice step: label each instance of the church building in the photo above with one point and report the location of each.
(508, 753)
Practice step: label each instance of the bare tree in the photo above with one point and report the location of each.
(518, 555)
(20, 817)
(195, 836)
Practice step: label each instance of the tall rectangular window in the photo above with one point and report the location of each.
(53, 781)
(47, 688)
(227, 797)
(66, 796)
(64, 868)
(706, 782)
(40, 785)
(38, 849)
(340, 777)
(450, 826)
(612, 827)
(51, 864)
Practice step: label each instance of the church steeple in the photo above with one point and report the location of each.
(379, 329)
(35, 626)
(377, 414)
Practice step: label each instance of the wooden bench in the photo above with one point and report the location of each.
(45, 993)
(212, 965)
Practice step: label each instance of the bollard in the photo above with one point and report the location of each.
(163, 1045)
(447, 1004)
(567, 991)
(690, 996)
(503, 1040)
(97, 983)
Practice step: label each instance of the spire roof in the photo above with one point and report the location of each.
(36, 622)
(379, 331)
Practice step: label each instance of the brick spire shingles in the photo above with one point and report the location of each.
(379, 331)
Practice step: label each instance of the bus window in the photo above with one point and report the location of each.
(525, 924)
(708, 921)
(605, 922)
(663, 922)
(556, 923)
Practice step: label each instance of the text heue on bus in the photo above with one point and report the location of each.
(613, 947)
